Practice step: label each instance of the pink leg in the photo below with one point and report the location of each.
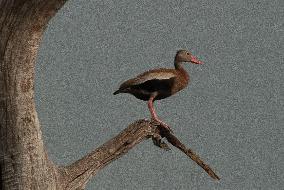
(154, 115)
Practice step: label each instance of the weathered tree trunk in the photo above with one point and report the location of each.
(24, 163)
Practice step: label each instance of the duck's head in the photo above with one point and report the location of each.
(185, 56)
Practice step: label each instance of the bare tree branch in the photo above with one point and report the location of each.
(80, 171)
(176, 142)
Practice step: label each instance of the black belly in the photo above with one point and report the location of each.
(143, 91)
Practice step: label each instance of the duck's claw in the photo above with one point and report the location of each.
(162, 124)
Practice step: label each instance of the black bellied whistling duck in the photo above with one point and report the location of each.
(159, 83)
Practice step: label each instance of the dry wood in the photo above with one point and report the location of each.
(135, 133)
(176, 142)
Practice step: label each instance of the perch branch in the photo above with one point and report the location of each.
(80, 171)
(176, 142)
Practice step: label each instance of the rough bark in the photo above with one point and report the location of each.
(24, 163)
(82, 170)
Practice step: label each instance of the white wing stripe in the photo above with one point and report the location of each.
(152, 76)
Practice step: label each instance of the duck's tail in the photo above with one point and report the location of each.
(121, 90)
(117, 92)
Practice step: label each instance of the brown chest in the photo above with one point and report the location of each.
(181, 81)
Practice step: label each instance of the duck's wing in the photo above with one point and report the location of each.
(148, 76)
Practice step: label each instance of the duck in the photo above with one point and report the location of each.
(157, 84)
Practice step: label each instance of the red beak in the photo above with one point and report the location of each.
(195, 60)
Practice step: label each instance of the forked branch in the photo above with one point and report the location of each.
(79, 172)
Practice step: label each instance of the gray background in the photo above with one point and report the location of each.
(231, 114)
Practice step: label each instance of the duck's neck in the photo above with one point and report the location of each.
(181, 70)
(178, 65)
